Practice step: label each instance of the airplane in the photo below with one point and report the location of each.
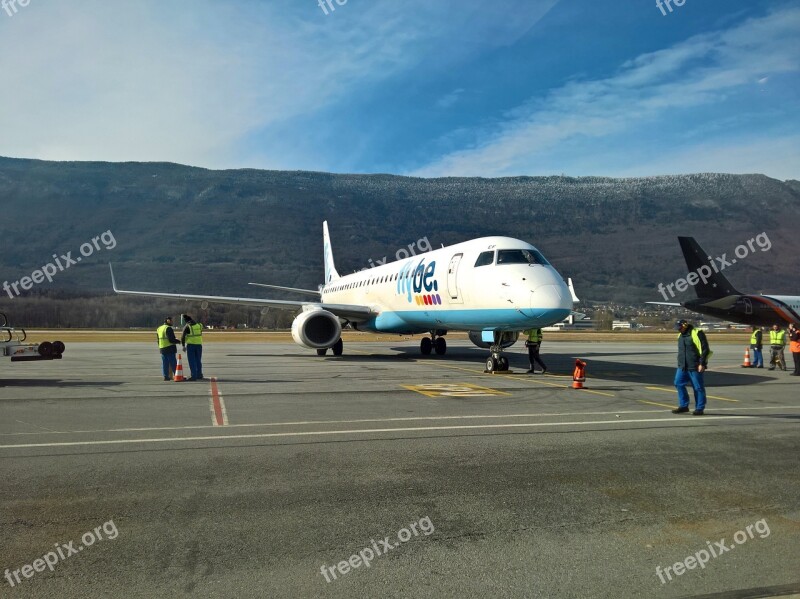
(717, 297)
(492, 287)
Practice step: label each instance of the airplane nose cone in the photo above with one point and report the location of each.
(552, 302)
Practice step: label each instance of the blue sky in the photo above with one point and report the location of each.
(416, 87)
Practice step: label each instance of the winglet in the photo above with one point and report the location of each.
(113, 282)
(575, 299)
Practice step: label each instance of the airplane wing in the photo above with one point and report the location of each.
(292, 289)
(354, 313)
(679, 305)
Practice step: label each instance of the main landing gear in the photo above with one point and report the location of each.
(496, 362)
(435, 342)
(337, 349)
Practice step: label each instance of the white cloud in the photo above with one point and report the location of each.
(696, 73)
(194, 81)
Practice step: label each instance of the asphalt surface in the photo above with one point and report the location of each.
(516, 485)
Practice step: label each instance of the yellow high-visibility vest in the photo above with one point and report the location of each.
(195, 336)
(699, 346)
(777, 338)
(534, 335)
(163, 341)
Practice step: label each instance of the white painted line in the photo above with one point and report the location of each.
(680, 420)
(363, 420)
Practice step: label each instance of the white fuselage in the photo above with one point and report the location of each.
(486, 284)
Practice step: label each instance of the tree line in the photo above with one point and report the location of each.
(56, 309)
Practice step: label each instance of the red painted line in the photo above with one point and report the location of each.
(216, 402)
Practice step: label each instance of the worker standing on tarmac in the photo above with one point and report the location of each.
(756, 344)
(693, 355)
(167, 345)
(777, 341)
(192, 341)
(794, 345)
(533, 343)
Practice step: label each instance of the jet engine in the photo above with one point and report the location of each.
(508, 339)
(316, 329)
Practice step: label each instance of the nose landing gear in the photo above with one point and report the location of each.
(496, 362)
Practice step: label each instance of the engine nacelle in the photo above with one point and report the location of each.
(508, 339)
(316, 329)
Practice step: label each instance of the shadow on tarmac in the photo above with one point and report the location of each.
(563, 364)
(56, 383)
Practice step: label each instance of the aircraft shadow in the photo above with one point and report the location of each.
(564, 364)
(621, 371)
(55, 383)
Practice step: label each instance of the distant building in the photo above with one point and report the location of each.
(622, 325)
(570, 323)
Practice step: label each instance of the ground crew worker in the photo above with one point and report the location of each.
(777, 341)
(693, 355)
(794, 345)
(192, 342)
(533, 342)
(167, 345)
(756, 345)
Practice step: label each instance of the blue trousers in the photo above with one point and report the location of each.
(169, 361)
(695, 379)
(758, 356)
(194, 353)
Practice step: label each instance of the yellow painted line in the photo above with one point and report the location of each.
(455, 368)
(454, 390)
(653, 403)
(412, 388)
(530, 380)
(708, 396)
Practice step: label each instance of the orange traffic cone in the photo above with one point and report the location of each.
(746, 358)
(179, 371)
(579, 374)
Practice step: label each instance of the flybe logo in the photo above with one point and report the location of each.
(418, 283)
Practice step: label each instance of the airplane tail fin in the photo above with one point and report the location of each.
(330, 268)
(712, 283)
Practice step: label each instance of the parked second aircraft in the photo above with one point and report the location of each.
(492, 287)
(717, 297)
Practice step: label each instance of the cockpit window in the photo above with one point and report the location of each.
(520, 257)
(484, 259)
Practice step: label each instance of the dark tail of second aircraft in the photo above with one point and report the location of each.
(712, 283)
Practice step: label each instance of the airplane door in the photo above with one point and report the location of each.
(748, 306)
(452, 279)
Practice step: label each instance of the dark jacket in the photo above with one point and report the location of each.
(688, 357)
(170, 349)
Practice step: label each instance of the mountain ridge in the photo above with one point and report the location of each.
(185, 228)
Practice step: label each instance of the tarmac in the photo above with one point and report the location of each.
(272, 477)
